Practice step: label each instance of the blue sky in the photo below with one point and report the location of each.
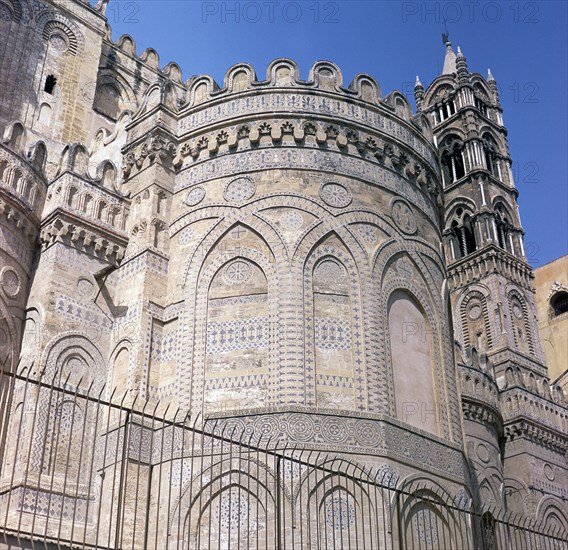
(524, 44)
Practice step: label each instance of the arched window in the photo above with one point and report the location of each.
(108, 100)
(101, 210)
(475, 322)
(559, 303)
(72, 197)
(491, 152)
(452, 159)
(503, 227)
(3, 166)
(86, 204)
(49, 86)
(462, 234)
(518, 315)
(17, 175)
(481, 107)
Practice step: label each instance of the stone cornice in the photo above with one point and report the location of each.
(19, 214)
(483, 413)
(486, 261)
(84, 235)
(521, 428)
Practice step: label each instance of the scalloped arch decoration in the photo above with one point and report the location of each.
(13, 9)
(51, 24)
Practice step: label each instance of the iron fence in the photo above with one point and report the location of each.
(83, 469)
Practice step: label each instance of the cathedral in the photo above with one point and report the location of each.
(267, 313)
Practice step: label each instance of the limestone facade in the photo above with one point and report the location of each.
(302, 259)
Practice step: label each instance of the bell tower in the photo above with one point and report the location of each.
(500, 358)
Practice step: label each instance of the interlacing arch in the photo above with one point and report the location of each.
(344, 505)
(197, 285)
(427, 517)
(239, 488)
(551, 514)
(474, 316)
(331, 271)
(520, 321)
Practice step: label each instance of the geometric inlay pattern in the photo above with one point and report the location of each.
(426, 526)
(239, 190)
(367, 233)
(403, 216)
(329, 271)
(251, 333)
(195, 196)
(291, 221)
(232, 510)
(339, 511)
(333, 334)
(237, 272)
(335, 195)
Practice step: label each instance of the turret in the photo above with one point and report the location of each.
(418, 94)
(461, 66)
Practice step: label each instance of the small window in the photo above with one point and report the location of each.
(559, 303)
(50, 83)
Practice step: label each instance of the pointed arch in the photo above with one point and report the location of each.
(427, 518)
(234, 496)
(427, 333)
(551, 515)
(234, 276)
(120, 374)
(520, 322)
(8, 338)
(334, 357)
(453, 162)
(412, 362)
(475, 321)
(341, 506)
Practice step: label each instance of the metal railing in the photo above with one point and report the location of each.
(83, 469)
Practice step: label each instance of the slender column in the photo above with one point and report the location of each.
(463, 243)
(522, 245)
(511, 179)
(498, 163)
(495, 230)
(483, 202)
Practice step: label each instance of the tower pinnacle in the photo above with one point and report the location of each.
(450, 59)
